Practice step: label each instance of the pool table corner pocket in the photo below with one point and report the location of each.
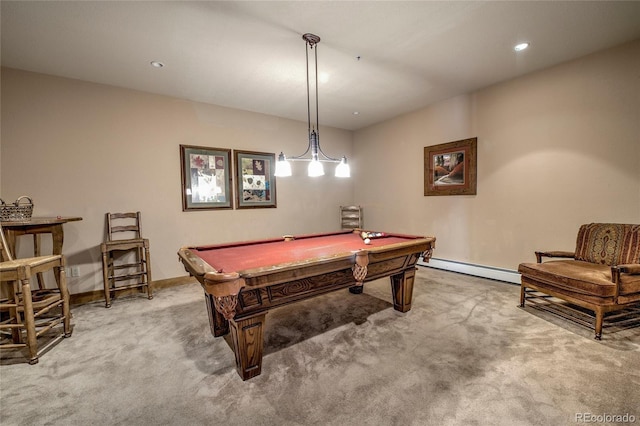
(224, 287)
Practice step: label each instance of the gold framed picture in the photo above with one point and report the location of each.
(450, 168)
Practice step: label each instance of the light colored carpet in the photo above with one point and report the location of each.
(464, 355)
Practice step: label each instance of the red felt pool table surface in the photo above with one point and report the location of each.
(238, 257)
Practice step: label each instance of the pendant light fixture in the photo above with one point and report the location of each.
(317, 156)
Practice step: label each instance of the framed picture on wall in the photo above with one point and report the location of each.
(450, 168)
(206, 178)
(255, 180)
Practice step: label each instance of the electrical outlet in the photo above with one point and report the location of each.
(75, 271)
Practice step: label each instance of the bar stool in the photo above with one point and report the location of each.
(31, 313)
(125, 259)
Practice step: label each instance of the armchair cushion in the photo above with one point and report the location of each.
(608, 243)
(579, 277)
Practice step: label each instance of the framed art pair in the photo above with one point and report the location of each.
(211, 182)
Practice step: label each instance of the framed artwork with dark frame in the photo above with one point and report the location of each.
(255, 179)
(206, 178)
(450, 168)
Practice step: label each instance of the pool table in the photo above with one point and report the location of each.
(243, 281)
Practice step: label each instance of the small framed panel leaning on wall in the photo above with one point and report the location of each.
(450, 168)
(255, 179)
(206, 178)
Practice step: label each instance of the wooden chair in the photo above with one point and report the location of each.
(26, 313)
(117, 254)
(351, 217)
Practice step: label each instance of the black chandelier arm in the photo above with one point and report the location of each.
(306, 51)
(322, 160)
(325, 157)
(314, 152)
(300, 157)
(333, 160)
(317, 110)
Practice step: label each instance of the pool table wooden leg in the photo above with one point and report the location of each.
(402, 289)
(248, 342)
(219, 325)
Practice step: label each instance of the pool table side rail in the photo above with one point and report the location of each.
(295, 237)
(270, 240)
(289, 284)
(374, 252)
(263, 293)
(193, 263)
(198, 268)
(301, 270)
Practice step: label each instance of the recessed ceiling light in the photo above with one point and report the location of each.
(356, 112)
(157, 64)
(520, 47)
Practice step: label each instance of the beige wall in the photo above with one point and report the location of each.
(556, 149)
(83, 149)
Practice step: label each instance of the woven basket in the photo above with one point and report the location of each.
(17, 211)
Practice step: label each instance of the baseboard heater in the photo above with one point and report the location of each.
(493, 273)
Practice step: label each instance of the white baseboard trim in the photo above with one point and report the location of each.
(490, 272)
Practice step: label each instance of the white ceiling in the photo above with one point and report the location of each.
(250, 55)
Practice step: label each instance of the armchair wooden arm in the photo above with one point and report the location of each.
(566, 254)
(630, 268)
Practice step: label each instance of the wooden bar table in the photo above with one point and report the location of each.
(36, 226)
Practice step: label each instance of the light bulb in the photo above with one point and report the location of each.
(315, 169)
(343, 170)
(283, 168)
